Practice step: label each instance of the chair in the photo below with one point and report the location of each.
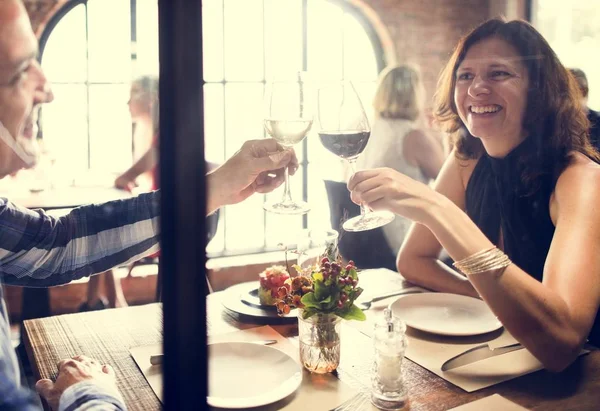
(368, 249)
(212, 223)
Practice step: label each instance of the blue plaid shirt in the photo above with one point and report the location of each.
(37, 250)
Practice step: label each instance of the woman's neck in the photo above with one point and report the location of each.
(502, 146)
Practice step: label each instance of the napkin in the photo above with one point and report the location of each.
(494, 402)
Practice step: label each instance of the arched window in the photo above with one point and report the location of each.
(90, 51)
(92, 48)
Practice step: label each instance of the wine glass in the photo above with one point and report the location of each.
(344, 130)
(313, 244)
(288, 118)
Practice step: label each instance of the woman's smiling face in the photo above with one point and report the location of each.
(490, 93)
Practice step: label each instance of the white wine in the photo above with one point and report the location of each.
(288, 132)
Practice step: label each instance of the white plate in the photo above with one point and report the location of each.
(445, 314)
(245, 375)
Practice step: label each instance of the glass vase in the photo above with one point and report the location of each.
(319, 337)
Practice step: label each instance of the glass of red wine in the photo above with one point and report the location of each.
(344, 130)
(288, 118)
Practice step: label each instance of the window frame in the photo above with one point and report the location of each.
(346, 7)
(64, 10)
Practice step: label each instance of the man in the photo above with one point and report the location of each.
(592, 115)
(38, 250)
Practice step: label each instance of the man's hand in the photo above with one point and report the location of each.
(73, 371)
(258, 167)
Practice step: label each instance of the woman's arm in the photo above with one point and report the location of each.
(551, 319)
(145, 163)
(418, 257)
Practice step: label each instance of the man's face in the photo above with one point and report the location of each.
(23, 88)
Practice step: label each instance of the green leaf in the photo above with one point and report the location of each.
(309, 301)
(352, 273)
(318, 276)
(353, 313)
(321, 290)
(326, 300)
(355, 293)
(308, 312)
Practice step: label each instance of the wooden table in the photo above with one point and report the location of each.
(108, 335)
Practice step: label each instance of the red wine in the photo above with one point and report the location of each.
(345, 144)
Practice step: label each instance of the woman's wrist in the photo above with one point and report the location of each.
(437, 206)
(453, 228)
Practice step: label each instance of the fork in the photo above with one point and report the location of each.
(354, 403)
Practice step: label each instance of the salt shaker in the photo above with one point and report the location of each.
(388, 391)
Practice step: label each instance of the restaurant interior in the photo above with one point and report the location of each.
(198, 302)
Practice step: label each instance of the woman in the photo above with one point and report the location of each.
(143, 107)
(397, 141)
(522, 177)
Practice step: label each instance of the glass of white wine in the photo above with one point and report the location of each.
(288, 118)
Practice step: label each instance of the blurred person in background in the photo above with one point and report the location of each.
(144, 109)
(593, 116)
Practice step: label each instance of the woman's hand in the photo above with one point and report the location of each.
(387, 189)
(125, 183)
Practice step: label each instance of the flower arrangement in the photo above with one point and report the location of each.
(324, 293)
(329, 288)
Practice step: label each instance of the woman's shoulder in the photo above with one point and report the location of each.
(463, 167)
(578, 185)
(580, 170)
(582, 175)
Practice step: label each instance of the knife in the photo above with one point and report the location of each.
(157, 359)
(481, 352)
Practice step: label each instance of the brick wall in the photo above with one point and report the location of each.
(424, 32)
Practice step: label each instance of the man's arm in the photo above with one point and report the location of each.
(39, 250)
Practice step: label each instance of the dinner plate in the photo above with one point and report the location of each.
(445, 314)
(243, 374)
(242, 299)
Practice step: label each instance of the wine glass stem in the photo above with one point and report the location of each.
(363, 209)
(287, 196)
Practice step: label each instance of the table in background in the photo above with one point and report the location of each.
(108, 335)
(67, 197)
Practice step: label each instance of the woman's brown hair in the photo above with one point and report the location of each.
(554, 118)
